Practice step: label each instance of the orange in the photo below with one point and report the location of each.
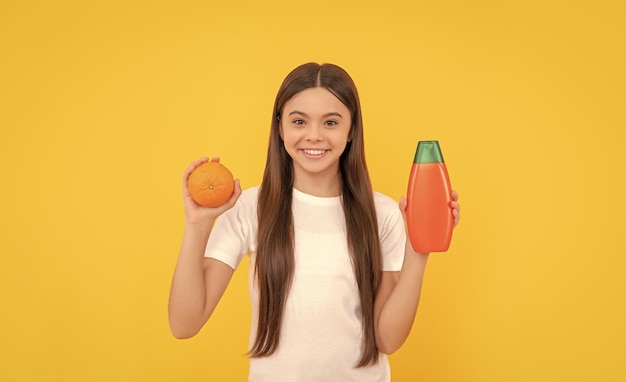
(211, 184)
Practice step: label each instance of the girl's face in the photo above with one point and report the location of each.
(315, 128)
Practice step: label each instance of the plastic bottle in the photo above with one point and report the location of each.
(429, 216)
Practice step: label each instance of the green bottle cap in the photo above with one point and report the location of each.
(428, 152)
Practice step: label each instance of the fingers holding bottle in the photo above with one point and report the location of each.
(456, 207)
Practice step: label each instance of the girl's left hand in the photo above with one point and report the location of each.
(456, 207)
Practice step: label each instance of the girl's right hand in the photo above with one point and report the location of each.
(195, 213)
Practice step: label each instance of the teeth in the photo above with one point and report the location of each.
(314, 152)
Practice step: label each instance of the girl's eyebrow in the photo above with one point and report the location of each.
(331, 114)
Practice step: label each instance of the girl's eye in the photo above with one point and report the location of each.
(331, 123)
(298, 122)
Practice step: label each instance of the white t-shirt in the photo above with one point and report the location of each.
(321, 334)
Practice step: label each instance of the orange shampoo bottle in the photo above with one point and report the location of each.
(428, 212)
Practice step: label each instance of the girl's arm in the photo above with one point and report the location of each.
(397, 300)
(198, 282)
(398, 294)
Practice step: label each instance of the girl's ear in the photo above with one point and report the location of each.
(280, 127)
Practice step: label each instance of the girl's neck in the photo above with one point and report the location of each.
(318, 184)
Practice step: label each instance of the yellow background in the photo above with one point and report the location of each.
(103, 104)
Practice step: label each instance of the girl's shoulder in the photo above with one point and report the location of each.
(250, 192)
(390, 224)
(248, 198)
(384, 202)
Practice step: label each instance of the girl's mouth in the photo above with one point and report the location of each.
(313, 153)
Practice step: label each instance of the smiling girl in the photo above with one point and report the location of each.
(334, 283)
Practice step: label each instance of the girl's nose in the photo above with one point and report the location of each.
(313, 134)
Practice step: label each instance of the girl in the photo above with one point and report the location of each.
(328, 298)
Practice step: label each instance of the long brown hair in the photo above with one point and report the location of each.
(275, 247)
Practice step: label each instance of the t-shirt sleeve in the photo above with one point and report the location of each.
(392, 234)
(234, 234)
